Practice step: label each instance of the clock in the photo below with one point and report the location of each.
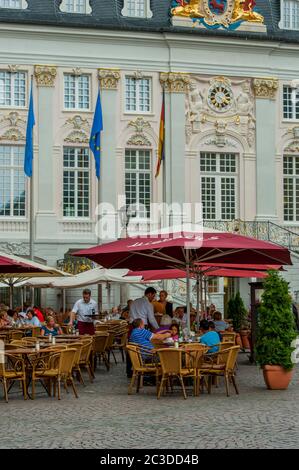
(220, 97)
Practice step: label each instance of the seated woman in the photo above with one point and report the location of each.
(162, 306)
(220, 325)
(50, 328)
(3, 319)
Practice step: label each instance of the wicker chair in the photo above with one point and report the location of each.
(120, 342)
(171, 365)
(58, 368)
(193, 359)
(13, 370)
(99, 349)
(222, 364)
(139, 368)
(229, 337)
(85, 359)
(15, 334)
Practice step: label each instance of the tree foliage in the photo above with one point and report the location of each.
(236, 311)
(276, 325)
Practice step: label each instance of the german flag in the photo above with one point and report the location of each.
(161, 148)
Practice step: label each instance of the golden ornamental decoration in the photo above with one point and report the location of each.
(45, 75)
(175, 82)
(213, 14)
(265, 88)
(109, 78)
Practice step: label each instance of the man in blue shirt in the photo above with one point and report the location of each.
(143, 337)
(210, 337)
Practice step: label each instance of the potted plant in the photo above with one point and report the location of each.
(237, 312)
(275, 333)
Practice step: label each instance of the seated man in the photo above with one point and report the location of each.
(220, 325)
(143, 337)
(210, 338)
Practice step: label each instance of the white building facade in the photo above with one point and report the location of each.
(231, 113)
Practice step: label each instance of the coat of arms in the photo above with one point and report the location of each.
(216, 13)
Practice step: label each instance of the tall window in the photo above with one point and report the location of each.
(138, 95)
(219, 181)
(137, 9)
(291, 188)
(12, 4)
(76, 185)
(290, 102)
(76, 91)
(290, 14)
(12, 89)
(12, 182)
(75, 6)
(138, 180)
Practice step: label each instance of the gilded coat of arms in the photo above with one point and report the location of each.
(218, 13)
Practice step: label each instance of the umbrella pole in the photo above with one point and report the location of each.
(10, 294)
(197, 300)
(206, 292)
(201, 296)
(63, 301)
(22, 298)
(188, 289)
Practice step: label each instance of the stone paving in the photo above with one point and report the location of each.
(105, 417)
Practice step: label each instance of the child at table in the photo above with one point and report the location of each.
(175, 332)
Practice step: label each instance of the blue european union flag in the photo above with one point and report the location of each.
(95, 136)
(29, 138)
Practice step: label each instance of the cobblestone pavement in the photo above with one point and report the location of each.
(105, 417)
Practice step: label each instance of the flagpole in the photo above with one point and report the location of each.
(31, 219)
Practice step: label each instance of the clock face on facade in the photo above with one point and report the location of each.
(220, 97)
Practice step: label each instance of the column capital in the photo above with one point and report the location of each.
(265, 88)
(175, 82)
(45, 75)
(109, 78)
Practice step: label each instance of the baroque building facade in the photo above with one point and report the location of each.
(229, 70)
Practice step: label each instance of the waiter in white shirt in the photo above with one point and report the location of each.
(85, 309)
(144, 309)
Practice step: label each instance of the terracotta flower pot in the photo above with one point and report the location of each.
(276, 377)
(245, 340)
(239, 340)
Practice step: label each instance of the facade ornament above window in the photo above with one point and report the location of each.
(265, 88)
(13, 68)
(139, 138)
(77, 72)
(13, 133)
(80, 132)
(45, 75)
(175, 82)
(109, 78)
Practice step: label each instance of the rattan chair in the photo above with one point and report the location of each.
(12, 370)
(193, 359)
(85, 358)
(57, 369)
(16, 335)
(222, 364)
(229, 337)
(120, 342)
(171, 366)
(140, 369)
(99, 349)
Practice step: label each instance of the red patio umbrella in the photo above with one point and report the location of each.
(183, 250)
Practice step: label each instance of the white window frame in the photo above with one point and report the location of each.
(64, 8)
(218, 176)
(76, 169)
(77, 77)
(292, 177)
(23, 6)
(147, 10)
(138, 171)
(137, 81)
(294, 101)
(12, 88)
(282, 24)
(12, 168)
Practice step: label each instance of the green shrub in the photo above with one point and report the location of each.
(236, 311)
(276, 325)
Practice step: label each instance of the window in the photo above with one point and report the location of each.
(12, 182)
(291, 188)
(138, 95)
(76, 91)
(12, 89)
(289, 14)
(213, 286)
(219, 185)
(21, 4)
(76, 185)
(290, 102)
(137, 9)
(75, 6)
(138, 180)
